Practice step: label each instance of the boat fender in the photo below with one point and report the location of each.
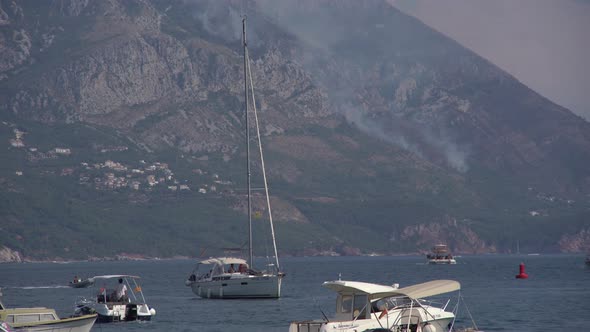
(152, 311)
(522, 274)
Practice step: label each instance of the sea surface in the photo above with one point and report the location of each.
(556, 297)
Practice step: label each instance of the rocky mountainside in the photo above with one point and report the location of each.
(382, 135)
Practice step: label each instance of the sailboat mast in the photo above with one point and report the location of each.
(249, 189)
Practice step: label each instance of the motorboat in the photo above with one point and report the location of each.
(81, 283)
(115, 298)
(234, 277)
(440, 254)
(43, 319)
(362, 306)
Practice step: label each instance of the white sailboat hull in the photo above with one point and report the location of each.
(442, 261)
(265, 286)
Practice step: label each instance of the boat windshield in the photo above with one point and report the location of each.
(206, 271)
(30, 318)
(390, 303)
(355, 304)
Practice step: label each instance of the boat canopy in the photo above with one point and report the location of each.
(224, 261)
(375, 291)
(342, 286)
(427, 289)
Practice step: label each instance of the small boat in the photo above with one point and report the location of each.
(81, 283)
(362, 306)
(117, 298)
(224, 281)
(42, 319)
(440, 254)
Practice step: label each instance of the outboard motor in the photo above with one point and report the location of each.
(131, 312)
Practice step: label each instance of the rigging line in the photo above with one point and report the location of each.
(378, 318)
(320, 308)
(386, 309)
(426, 310)
(468, 312)
(272, 230)
(360, 311)
(410, 315)
(455, 312)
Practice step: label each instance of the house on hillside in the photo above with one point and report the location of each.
(64, 151)
(151, 179)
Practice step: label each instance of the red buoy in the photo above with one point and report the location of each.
(522, 274)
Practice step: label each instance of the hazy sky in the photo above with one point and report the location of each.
(543, 43)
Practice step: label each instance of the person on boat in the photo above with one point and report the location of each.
(231, 269)
(121, 291)
(242, 268)
(75, 279)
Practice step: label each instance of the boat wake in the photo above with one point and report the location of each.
(40, 287)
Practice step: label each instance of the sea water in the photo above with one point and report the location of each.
(556, 297)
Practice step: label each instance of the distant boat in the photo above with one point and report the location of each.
(81, 283)
(440, 254)
(232, 277)
(43, 319)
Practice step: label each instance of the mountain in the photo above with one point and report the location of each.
(124, 134)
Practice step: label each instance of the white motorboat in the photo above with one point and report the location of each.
(362, 306)
(42, 319)
(222, 280)
(440, 254)
(115, 298)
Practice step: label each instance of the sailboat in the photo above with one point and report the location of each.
(233, 277)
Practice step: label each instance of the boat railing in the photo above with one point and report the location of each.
(306, 326)
(433, 303)
(407, 303)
